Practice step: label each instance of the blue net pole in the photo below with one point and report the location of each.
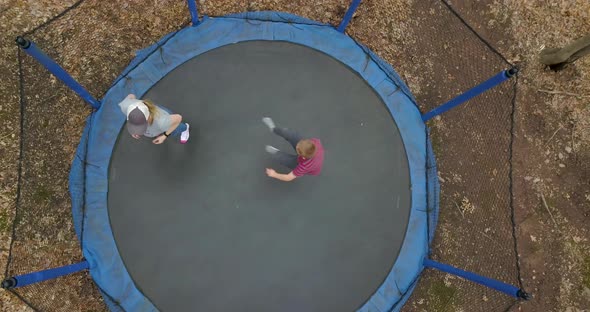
(56, 70)
(348, 15)
(486, 281)
(40, 276)
(471, 93)
(192, 7)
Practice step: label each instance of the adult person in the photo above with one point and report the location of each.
(145, 118)
(308, 161)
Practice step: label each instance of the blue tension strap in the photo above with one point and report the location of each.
(58, 71)
(471, 93)
(40, 276)
(192, 7)
(348, 15)
(486, 281)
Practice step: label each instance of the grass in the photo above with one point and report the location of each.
(586, 272)
(435, 138)
(441, 296)
(552, 206)
(42, 195)
(4, 225)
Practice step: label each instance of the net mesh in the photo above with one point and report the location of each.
(472, 144)
(428, 44)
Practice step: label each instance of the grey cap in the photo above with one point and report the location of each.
(136, 122)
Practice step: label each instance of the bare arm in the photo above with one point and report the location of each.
(176, 120)
(279, 176)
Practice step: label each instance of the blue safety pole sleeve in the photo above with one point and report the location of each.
(473, 92)
(58, 71)
(40, 276)
(192, 7)
(486, 281)
(348, 15)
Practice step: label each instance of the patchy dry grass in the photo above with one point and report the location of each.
(552, 151)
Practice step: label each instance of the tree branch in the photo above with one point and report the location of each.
(564, 93)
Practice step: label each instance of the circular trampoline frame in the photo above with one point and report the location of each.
(89, 179)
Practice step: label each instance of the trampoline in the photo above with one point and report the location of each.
(200, 227)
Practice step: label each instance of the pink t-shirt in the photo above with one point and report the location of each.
(312, 166)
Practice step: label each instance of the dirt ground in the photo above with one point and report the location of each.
(551, 151)
(552, 184)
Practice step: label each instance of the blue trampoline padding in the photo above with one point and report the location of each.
(89, 173)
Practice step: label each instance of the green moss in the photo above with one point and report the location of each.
(42, 195)
(4, 222)
(4, 117)
(551, 202)
(536, 247)
(586, 272)
(441, 296)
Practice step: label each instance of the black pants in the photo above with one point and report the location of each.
(286, 159)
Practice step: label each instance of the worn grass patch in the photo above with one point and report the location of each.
(435, 137)
(586, 272)
(4, 224)
(441, 296)
(42, 195)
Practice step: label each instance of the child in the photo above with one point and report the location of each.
(309, 158)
